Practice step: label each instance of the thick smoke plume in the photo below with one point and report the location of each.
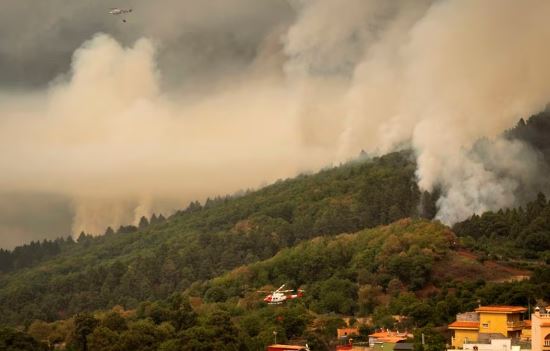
(188, 100)
(462, 71)
(108, 137)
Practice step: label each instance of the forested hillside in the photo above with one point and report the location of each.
(347, 273)
(203, 241)
(381, 272)
(534, 132)
(188, 281)
(511, 233)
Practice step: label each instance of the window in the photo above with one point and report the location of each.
(485, 325)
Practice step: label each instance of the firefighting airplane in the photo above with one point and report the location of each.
(116, 11)
(278, 296)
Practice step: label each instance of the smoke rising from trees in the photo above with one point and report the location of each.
(187, 101)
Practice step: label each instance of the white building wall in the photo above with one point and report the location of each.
(495, 345)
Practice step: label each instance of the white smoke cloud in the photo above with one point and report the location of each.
(107, 136)
(342, 76)
(461, 71)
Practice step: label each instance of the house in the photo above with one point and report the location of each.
(387, 336)
(540, 330)
(463, 331)
(346, 340)
(386, 340)
(493, 345)
(506, 320)
(487, 323)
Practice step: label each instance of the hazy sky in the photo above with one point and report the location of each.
(198, 45)
(193, 38)
(102, 121)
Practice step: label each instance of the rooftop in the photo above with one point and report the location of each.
(464, 325)
(501, 309)
(391, 337)
(382, 334)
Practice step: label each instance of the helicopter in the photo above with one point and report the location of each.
(277, 297)
(117, 11)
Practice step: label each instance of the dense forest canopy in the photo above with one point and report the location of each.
(382, 272)
(517, 232)
(202, 241)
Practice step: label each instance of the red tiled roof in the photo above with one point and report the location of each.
(545, 324)
(464, 325)
(383, 334)
(379, 334)
(392, 337)
(501, 309)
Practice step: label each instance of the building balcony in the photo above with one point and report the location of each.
(515, 324)
(546, 343)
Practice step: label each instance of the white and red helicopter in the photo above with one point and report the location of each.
(117, 11)
(279, 296)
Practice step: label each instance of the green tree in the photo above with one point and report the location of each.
(13, 340)
(216, 332)
(84, 325)
(40, 330)
(102, 339)
(114, 322)
(433, 341)
(143, 223)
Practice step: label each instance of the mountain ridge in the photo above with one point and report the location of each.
(201, 243)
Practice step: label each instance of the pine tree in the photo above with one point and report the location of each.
(143, 223)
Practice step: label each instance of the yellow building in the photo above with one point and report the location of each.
(464, 331)
(526, 331)
(488, 322)
(505, 320)
(540, 330)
